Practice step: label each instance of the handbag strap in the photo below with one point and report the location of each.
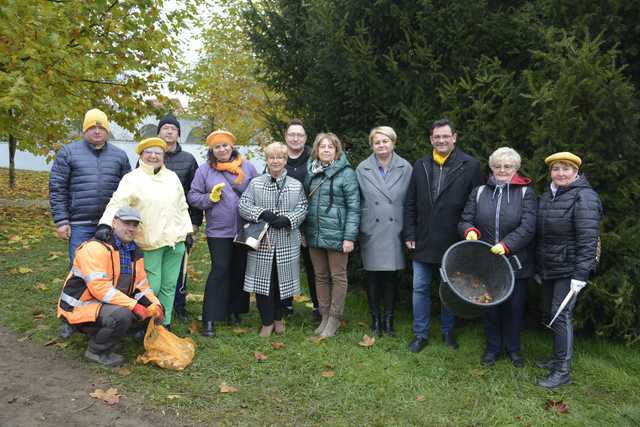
(238, 192)
(280, 190)
(312, 192)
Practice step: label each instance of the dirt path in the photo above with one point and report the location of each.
(41, 387)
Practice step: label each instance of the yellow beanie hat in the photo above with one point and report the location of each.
(220, 137)
(95, 117)
(564, 156)
(151, 142)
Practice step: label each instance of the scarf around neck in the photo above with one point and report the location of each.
(439, 158)
(233, 166)
(317, 166)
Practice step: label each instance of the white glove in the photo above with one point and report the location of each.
(577, 285)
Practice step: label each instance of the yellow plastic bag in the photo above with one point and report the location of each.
(165, 349)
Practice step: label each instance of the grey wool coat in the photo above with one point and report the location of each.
(261, 195)
(382, 201)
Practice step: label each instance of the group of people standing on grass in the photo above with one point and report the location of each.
(317, 207)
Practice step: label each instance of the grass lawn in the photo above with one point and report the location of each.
(381, 385)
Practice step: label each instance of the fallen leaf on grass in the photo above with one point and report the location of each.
(193, 327)
(225, 388)
(41, 286)
(477, 372)
(260, 356)
(174, 396)
(367, 341)
(51, 342)
(344, 323)
(110, 396)
(123, 371)
(277, 345)
(328, 365)
(420, 398)
(557, 406)
(15, 239)
(316, 339)
(308, 304)
(195, 297)
(300, 298)
(62, 344)
(24, 270)
(38, 316)
(240, 330)
(328, 373)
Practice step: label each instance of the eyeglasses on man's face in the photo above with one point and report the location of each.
(296, 135)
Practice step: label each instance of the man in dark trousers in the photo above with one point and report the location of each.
(440, 185)
(296, 138)
(184, 165)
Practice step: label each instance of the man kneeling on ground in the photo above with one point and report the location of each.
(106, 293)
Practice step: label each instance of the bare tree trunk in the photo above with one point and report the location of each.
(12, 161)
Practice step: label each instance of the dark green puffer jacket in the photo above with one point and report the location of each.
(334, 206)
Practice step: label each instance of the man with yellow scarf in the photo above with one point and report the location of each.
(440, 185)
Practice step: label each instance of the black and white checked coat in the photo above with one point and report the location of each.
(261, 195)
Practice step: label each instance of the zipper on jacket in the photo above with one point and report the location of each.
(426, 173)
(497, 219)
(317, 242)
(439, 181)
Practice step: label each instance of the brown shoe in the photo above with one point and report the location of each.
(265, 332)
(278, 326)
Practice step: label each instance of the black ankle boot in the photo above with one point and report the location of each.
(376, 325)
(207, 329)
(388, 325)
(236, 320)
(555, 379)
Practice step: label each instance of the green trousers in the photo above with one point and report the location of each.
(163, 267)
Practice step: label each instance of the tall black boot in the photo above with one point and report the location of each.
(388, 324)
(558, 376)
(373, 297)
(376, 324)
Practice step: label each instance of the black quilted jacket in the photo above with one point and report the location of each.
(184, 164)
(567, 231)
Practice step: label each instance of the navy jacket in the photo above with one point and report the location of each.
(506, 216)
(82, 181)
(567, 232)
(432, 220)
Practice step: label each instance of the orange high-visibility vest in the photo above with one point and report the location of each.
(93, 281)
